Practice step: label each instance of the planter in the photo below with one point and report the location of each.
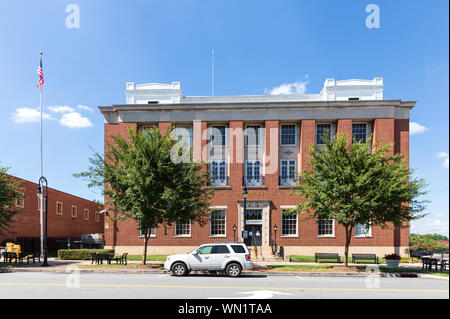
(392, 263)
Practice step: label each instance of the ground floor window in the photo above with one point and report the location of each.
(182, 229)
(289, 224)
(217, 221)
(363, 230)
(152, 232)
(326, 227)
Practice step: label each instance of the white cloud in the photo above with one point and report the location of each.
(85, 108)
(29, 115)
(416, 128)
(74, 120)
(60, 109)
(429, 226)
(289, 88)
(443, 155)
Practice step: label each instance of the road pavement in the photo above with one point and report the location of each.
(255, 286)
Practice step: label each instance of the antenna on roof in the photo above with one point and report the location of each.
(212, 72)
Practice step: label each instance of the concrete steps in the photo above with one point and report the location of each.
(260, 253)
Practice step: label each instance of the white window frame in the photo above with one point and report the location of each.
(62, 207)
(253, 168)
(76, 211)
(97, 217)
(222, 182)
(331, 132)
(182, 235)
(152, 233)
(22, 199)
(368, 234)
(296, 223)
(289, 181)
(326, 235)
(210, 228)
(259, 135)
(367, 129)
(211, 143)
(296, 134)
(189, 129)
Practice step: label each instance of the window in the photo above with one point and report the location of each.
(289, 225)
(97, 216)
(326, 227)
(220, 249)
(359, 132)
(218, 135)
(322, 131)
(86, 214)
(253, 173)
(363, 230)
(184, 133)
(204, 250)
(253, 214)
(238, 249)
(288, 172)
(20, 201)
(218, 173)
(182, 229)
(217, 222)
(74, 211)
(152, 232)
(252, 136)
(59, 208)
(288, 135)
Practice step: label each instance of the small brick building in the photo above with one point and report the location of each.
(69, 216)
(262, 142)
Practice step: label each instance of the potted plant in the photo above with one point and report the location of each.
(392, 260)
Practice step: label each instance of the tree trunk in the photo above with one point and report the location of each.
(114, 233)
(348, 237)
(144, 256)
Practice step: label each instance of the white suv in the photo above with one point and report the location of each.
(231, 258)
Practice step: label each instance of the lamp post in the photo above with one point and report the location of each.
(39, 193)
(275, 228)
(234, 232)
(245, 193)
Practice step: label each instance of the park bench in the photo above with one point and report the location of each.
(356, 257)
(327, 256)
(33, 256)
(121, 259)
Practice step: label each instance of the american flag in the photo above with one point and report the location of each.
(40, 73)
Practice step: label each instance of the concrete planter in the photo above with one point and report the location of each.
(392, 263)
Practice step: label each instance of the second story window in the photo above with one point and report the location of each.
(59, 208)
(218, 173)
(322, 132)
(252, 135)
(20, 201)
(74, 211)
(288, 173)
(288, 135)
(218, 136)
(86, 214)
(184, 133)
(253, 173)
(359, 132)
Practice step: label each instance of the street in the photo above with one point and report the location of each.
(163, 286)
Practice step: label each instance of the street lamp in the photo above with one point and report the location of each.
(39, 193)
(245, 193)
(234, 232)
(275, 228)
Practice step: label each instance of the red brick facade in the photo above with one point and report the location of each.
(307, 240)
(60, 225)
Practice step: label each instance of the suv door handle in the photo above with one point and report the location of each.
(227, 256)
(206, 257)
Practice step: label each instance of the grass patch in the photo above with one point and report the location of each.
(311, 259)
(414, 270)
(300, 267)
(149, 257)
(119, 266)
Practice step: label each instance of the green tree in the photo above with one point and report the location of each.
(8, 194)
(354, 184)
(146, 180)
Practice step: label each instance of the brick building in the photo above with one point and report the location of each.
(69, 216)
(262, 142)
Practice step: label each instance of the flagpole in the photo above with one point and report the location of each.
(42, 174)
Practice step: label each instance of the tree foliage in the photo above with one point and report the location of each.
(8, 194)
(357, 184)
(143, 182)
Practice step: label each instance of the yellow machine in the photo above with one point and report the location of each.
(12, 248)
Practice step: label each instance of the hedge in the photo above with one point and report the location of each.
(81, 254)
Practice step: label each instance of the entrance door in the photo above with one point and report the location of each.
(253, 227)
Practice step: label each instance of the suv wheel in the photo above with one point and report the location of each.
(179, 269)
(233, 270)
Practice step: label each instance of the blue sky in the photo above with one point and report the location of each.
(259, 45)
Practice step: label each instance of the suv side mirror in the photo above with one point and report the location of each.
(195, 252)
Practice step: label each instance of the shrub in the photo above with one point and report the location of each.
(392, 256)
(81, 254)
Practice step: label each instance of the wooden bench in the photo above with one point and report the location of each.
(318, 256)
(373, 257)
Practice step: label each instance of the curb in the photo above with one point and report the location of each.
(249, 273)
